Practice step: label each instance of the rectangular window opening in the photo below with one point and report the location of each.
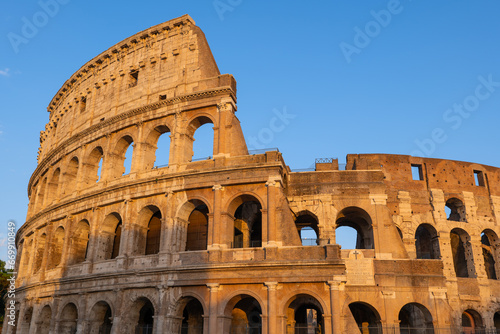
(416, 172)
(479, 178)
(163, 97)
(134, 76)
(83, 104)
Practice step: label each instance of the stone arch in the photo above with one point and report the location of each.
(455, 210)
(70, 176)
(304, 314)
(56, 248)
(308, 228)
(243, 314)
(118, 156)
(43, 320)
(80, 242)
(109, 238)
(40, 194)
(496, 321)
(141, 316)
(53, 186)
(195, 212)
(148, 239)
(461, 248)
(25, 322)
(68, 318)
(489, 245)
(93, 166)
(246, 211)
(157, 147)
(427, 242)
(472, 322)
(196, 127)
(358, 219)
(366, 317)
(40, 249)
(26, 257)
(100, 318)
(415, 318)
(192, 312)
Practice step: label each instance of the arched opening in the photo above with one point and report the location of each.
(489, 240)
(101, 318)
(247, 222)
(203, 138)
(366, 317)
(68, 319)
(143, 316)
(94, 166)
(304, 315)
(427, 242)
(40, 249)
(122, 157)
(40, 197)
(56, 248)
(462, 253)
(70, 176)
(360, 221)
(109, 237)
(43, 321)
(26, 257)
(307, 226)
(496, 321)
(244, 315)
(472, 323)
(80, 242)
(153, 236)
(159, 141)
(455, 210)
(192, 317)
(415, 318)
(148, 241)
(53, 187)
(197, 227)
(25, 324)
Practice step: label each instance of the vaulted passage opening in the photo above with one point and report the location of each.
(94, 166)
(455, 210)
(201, 130)
(149, 231)
(101, 318)
(462, 253)
(247, 223)
(159, 139)
(41, 244)
(496, 321)
(40, 197)
(305, 315)
(244, 315)
(359, 220)
(366, 317)
(489, 242)
(70, 176)
(56, 248)
(53, 186)
(68, 320)
(143, 317)
(109, 237)
(122, 158)
(197, 229)
(472, 323)
(307, 227)
(80, 242)
(415, 319)
(192, 317)
(43, 323)
(427, 242)
(24, 326)
(26, 257)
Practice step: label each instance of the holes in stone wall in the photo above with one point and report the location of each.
(133, 78)
(489, 240)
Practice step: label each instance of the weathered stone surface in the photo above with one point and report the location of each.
(212, 246)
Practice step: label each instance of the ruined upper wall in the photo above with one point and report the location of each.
(163, 62)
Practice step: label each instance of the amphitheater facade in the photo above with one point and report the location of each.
(217, 245)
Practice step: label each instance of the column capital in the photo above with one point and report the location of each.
(378, 199)
(214, 287)
(271, 286)
(217, 187)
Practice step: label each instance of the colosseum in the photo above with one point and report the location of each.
(218, 245)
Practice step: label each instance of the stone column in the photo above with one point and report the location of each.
(216, 233)
(48, 243)
(272, 306)
(212, 308)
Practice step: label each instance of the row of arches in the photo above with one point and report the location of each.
(110, 160)
(415, 318)
(243, 314)
(147, 235)
(427, 247)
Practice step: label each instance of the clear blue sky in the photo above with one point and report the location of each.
(358, 76)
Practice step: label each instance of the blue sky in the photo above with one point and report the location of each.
(356, 77)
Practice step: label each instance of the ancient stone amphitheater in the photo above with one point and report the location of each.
(218, 245)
